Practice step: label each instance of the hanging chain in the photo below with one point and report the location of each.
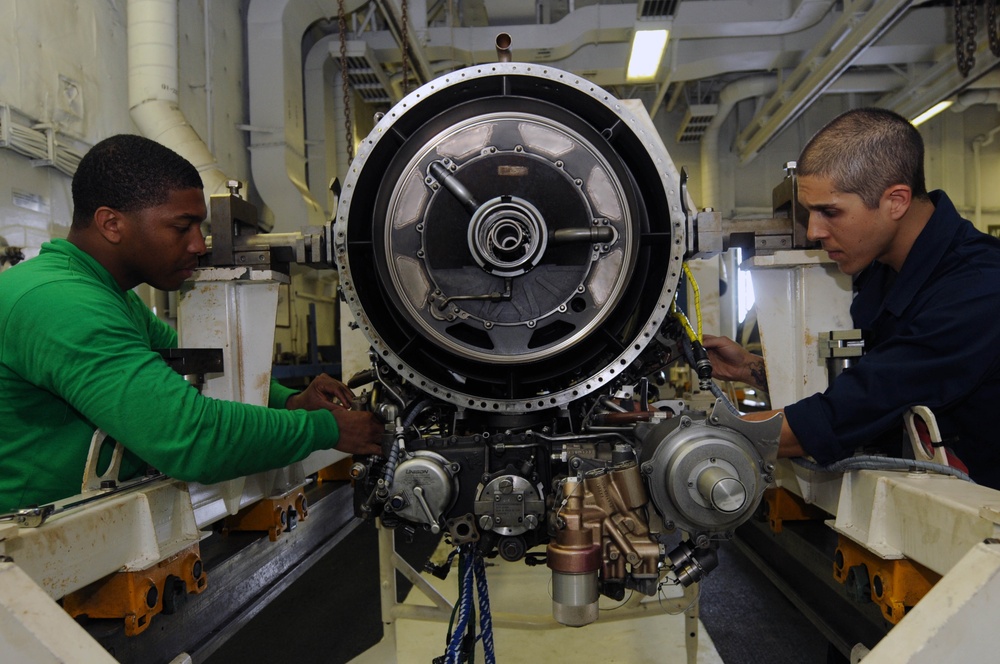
(992, 28)
(965, 35)
(406, 47)
(348, 128)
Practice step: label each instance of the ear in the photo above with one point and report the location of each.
(108, 222)
(898, 198)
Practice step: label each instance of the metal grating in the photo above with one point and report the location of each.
(363, 79)
(365, 74)
(695, 122)
(657, 9)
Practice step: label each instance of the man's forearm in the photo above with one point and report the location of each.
(757, 373)
(788, 444)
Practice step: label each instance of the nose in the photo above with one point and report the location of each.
(816, 229)
(197, 245)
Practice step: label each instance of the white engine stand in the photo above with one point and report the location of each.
(800, 294)
(234, 309)
(637, 606)
(941, 522)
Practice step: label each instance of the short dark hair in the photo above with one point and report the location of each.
(865, 151)
(128, 173)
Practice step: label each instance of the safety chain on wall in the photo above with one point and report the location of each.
(406, 48)
(348, 128)
(991, 27)
(965, 35)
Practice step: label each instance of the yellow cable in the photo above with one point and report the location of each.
(697, 300)
(685, 323)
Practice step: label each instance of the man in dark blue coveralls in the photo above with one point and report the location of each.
(927, 299)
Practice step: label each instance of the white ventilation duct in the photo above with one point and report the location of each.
(966, 99)
(758, 86)
(152, 87)
(962, 103)
(744, 88)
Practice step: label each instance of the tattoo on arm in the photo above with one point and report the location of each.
(759, 374)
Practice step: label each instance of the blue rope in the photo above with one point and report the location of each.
(485, 618)
(454, 652)
(390, 464)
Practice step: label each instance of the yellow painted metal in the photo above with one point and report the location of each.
(136, 597)
(782, 505)
(336, 472)
(271, 515)
(896, 585)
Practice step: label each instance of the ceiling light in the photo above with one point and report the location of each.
(932, 111)
(647, 51)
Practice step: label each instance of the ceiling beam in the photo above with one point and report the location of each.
(850, 35)
(939, 81)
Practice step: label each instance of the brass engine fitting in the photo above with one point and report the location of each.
(604, 527)
(574, 558)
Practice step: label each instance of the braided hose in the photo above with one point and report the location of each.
(454, 652)
(485, 617)
(869, 462)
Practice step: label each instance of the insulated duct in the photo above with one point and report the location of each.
(153, 83)
(758, 86)
(277, 132)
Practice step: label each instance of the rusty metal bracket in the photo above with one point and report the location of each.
(137, 596)
(895, 585)
(274, 515)
(780, 505)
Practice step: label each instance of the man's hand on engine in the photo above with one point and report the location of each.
(360, 431)
(730, 361)
(323, 392)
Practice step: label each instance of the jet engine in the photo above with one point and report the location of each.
(510, 240)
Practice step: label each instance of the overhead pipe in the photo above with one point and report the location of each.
(601, 24)
(153, 83)
(962, 103)
(759, 86)
(700, 20)
(832, 55)
(735, 92)
(325, 125)
(971, 98)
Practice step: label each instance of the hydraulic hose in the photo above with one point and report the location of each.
(870, 462)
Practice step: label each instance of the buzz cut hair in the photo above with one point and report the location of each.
(865, 151)
(127, 173)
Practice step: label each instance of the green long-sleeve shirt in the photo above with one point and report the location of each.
(77, 353)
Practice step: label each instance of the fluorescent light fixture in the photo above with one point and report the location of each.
(932, 111)
(647, 51)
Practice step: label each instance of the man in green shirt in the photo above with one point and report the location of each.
(78, 347)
